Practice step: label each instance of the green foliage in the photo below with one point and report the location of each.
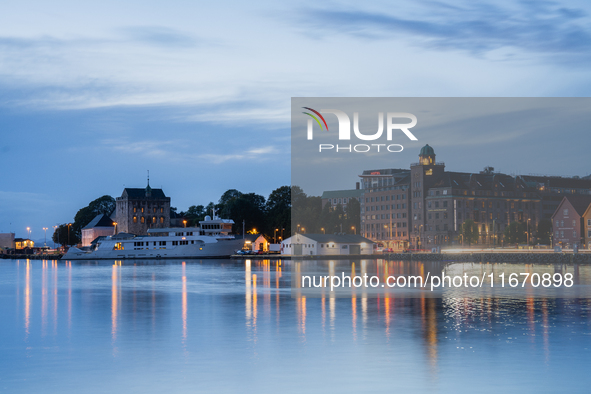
(515, 233)
(276, 213)
(469, 231)
(194, 215)
(278, 209)
(105, 205)
(64, 236)
(306, 211)
(544, 231)
(240, 207)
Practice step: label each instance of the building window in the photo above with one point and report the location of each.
(142, 219)
(135, 218)
(565, 212)
(134, 209)
(161, 219)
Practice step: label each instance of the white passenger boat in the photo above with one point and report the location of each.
(211, 239)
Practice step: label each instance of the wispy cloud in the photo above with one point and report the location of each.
(541, 27)
(265, 153)
(189, 151)
(160, 36)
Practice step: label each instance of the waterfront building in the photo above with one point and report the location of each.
(425, 206)
(385, 207)
(255, 242)
(100, 226)
(7, 241)
(23, 243)
(569, 225)
(326, 244)
(138, 210)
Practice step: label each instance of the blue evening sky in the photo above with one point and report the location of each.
(94, 94)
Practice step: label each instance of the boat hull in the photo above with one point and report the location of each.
(220, 249)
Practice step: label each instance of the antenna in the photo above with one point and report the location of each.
(148, 177)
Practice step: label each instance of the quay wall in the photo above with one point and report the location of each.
(477, 257)
(31, 256)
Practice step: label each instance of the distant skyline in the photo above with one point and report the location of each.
(94, 95)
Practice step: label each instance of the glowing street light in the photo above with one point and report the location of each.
(185, 223)
(45, 229)
(29, 232)
(58, 236)
(115, 224)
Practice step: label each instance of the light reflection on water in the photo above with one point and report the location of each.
(232, 326)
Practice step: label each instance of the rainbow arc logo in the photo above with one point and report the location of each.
(315, 118)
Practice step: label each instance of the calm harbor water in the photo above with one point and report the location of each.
(231, 326)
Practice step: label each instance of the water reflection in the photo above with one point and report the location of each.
(184, 302)
(27, 297)
(114, 299)
(125, 313)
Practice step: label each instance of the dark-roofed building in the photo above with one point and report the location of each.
(101, 225)
(569, 221)
(141, 209)
(426, 205)
(342, 197)
(326, 244)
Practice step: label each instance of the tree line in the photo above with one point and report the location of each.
(271, 216)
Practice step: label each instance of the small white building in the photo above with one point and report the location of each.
(255, 242)
(101, 225)
(326, 244)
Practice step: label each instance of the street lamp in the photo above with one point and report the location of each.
(354, 230)
(69, 225)
(528, 232)
(185, 223)
(322, 228)
(275, 235)
(29, 232)
(58, 236)
(45, 229)
(115, 224)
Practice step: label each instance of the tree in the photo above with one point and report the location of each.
(353, 216)
(62, 236)
(102, 205)
(469, 231)
(240, 207)
(305, 211)
(544, 231)
(278, 210)
(195, 214)
(515, 233)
